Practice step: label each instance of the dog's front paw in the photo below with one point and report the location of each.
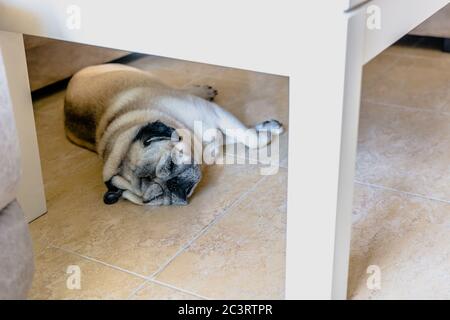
(204, 91)
(273, 126)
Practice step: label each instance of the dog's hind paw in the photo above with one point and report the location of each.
(203, 91)
(273, 126)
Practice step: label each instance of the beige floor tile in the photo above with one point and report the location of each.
(38, 239)
(67, 56)
(136, 238)
(404, 45)
(409, 48)
(405, 149)
(166, 68)
(420, 47)
(96, 282)
(375, 69)
(413, 81)
(61, 160)
(243, 255)
(154, 291)
(446, 107)
(407, 238)
(380, 65)
(179, 73)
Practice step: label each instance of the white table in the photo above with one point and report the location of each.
(320, 45)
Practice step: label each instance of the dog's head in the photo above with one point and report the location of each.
(158, 153)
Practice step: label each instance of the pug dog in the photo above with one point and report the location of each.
(144, 130)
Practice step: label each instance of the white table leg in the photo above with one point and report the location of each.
(322, 147)
(350, 120)
(31, 194)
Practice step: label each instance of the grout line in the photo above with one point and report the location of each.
(167, 285)
(142, 285)
(164, 284)
(411, 194)
(206, 228)
(393, 105)
(409, 108)
(137, 289)
(101, 262)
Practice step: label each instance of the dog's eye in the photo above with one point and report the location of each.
(149, 141)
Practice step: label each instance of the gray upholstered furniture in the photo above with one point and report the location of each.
(16, 254)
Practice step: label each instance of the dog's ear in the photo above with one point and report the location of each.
(155, 129)
(184, 184)
(113, 194)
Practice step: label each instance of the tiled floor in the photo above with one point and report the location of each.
(229, 242)
(402, 192)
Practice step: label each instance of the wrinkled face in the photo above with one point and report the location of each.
(174, 191)
(158, 156)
